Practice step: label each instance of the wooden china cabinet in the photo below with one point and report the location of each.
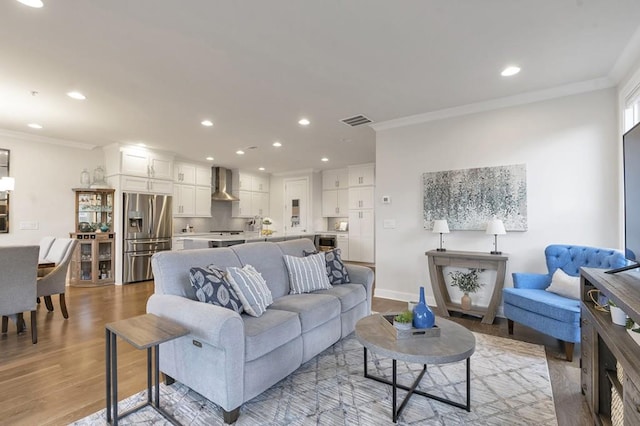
(93, 261)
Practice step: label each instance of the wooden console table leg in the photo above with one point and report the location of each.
(438, 286)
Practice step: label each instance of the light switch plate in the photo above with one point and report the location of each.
(389, 224)
(29, 225)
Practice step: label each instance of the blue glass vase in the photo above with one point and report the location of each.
(423, 317)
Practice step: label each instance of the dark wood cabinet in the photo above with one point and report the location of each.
(609, 356)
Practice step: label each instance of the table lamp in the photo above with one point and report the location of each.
(441, 227)
(496, 227)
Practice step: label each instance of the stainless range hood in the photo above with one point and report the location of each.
(220, 186)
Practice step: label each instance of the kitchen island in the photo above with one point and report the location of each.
(204, 241)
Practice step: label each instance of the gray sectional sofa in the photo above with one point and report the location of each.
(230, 358)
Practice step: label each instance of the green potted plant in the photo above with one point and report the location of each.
(634, 330)
(403, 321)
(467, 282)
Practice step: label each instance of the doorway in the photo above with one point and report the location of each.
(296, 205)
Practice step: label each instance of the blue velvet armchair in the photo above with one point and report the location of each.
(529, 304)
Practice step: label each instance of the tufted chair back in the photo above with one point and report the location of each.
(571, 258)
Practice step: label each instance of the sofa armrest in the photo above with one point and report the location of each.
(532, 281)
(217, 326)
(364, 275)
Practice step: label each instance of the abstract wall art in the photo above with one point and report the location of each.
(469, 198)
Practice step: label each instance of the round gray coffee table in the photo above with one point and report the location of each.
(455, 343)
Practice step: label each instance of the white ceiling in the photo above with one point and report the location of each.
(152, 70)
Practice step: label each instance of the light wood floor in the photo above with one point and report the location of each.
(61, 378)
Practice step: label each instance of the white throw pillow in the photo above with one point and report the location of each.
(565, 285)
(251, 288)
(307, 274)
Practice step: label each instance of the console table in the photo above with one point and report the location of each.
(465, 259)
(606, 347)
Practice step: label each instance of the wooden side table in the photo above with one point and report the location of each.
(466, 259)
(143, 332)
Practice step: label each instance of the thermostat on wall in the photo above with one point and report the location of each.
(386, 199)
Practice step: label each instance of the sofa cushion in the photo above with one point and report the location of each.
(272, 330)
(314, 309)
(544, 303)
(565, 285)
(211, 286)
(350, 295)
(307, 274)
(251, 288)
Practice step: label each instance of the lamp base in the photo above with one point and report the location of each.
(441, 249)
(496, 252)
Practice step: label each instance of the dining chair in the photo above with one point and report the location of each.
(19, 266)
(55, 281)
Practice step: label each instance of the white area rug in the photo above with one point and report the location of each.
(509, 386)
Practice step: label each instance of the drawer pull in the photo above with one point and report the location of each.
(584, 370)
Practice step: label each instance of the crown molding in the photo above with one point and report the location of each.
(494, 104)
(27, 137)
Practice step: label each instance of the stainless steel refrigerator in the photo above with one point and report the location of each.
(148, 227)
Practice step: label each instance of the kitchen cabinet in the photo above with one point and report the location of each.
(335, 179)
(192, 190)
(192, 174)
(251, 204)
(146, 163)
(335, 203)
(361, 235)
(92, 263)
(361, 175)
(342, 242)
(145, 185)
(245, 181)
(361, 197)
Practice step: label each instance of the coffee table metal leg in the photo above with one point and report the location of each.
(157, 369)
(413, 389)
(107, 358)
(114, 377)
(149, 376)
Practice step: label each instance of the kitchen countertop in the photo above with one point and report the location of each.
(247, 237)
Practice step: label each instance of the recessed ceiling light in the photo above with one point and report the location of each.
(510, 70)
(76, 95)
(277, 144)
(261, 169)
(35, 125)
(141, 144)
(240, 152)
(207, 123)
(325, 159)
(209, 158)
(304, 122)
(32, 3)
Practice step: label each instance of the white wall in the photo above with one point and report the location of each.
(45, 173)
(570, 148)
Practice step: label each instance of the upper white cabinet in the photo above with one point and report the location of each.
(335, 179)
(192, 174)
(192, 191)
(146, 164)
(335, 203)
(253, 191)
(362, 175)
(245, 181)
(361, 197)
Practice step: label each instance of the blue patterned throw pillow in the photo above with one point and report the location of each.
(336, 271)
(211, 286)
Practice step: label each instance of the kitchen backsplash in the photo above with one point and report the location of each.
(221, 220)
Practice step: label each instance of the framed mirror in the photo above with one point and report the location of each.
(4, 195)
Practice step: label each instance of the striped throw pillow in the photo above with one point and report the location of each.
(307, 274)
(251, 288)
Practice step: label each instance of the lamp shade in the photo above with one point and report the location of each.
(440, 227)
(496, 227)
(7, 183)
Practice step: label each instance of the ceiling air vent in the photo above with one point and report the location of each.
(356, 120)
